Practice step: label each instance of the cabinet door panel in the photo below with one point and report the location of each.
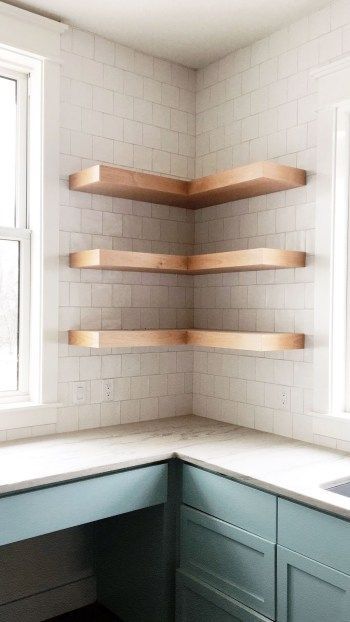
(235, 503)
(229, 559)
(317, 535)
(309, 591)
(197, 602)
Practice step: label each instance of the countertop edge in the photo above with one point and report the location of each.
(269, 487)
(262, 484)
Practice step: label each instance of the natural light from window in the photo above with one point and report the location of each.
(14, 237)
(8, 132)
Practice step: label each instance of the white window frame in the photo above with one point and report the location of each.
(332, 249)
(21, 234)
(31, 44)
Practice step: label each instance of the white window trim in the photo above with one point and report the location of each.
(331, 243)
(21, 234)
(32, 43)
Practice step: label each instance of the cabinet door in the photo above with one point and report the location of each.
(197, 602)
(309, 591)
(314, 534)
(229, 559)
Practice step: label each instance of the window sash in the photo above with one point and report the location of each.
(23, 237)
(21, 142)
(21, 234)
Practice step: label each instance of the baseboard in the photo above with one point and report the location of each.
(51, 603)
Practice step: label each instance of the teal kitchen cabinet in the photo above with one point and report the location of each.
(230, 559)
(309, 591)
(227, 543)
(197, 602)
(313, 565)
(236, 547)
(314, 534)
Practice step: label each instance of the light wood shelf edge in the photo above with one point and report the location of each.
(129, 261)
(237, 340)
(128, 184)
(229, 261)
(244, 182)
(241, 182)
(258, 342)
(126, 338)
(250, 259)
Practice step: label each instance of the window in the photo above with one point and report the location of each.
(14, 238)
(29, 217)
(332, 250)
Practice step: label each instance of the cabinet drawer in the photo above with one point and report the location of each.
(245, 507)
(238, 563)
(314, 534)
(197, 602)
(309, 591)
(30, 514)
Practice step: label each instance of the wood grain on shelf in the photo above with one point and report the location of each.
(236, 340)
(230, 261)
(129, 261)
(121, 182)
(250, 259)
(126, 338)
(244, 182)
(238, 183)
(258, 342)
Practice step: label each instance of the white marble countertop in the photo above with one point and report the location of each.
(283, 466)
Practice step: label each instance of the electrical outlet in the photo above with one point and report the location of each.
(284, 398)
(108, 390)
(79, 393)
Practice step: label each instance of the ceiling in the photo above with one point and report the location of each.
(191, 32)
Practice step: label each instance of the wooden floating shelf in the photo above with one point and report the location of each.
(237, 340)
(250, 259)
(244, 182)
(258, 342)
(239, 183)
(126, 184)
(231, 261)
(128, 260)
(126, 338)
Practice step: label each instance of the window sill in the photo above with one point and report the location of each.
(334, 425)
(27, 414)
(338, 416)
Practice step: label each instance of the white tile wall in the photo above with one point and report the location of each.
(129, 109)
(253, 104)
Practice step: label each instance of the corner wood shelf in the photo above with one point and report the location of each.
(231, 261)
(239, 183)
(258, 342)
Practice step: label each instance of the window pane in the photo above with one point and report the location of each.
(8, 123)
(9, 314)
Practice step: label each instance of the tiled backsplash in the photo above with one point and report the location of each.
(255, 104)
(128, 109)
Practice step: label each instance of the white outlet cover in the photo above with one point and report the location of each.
(79, 393)
(108, 390)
